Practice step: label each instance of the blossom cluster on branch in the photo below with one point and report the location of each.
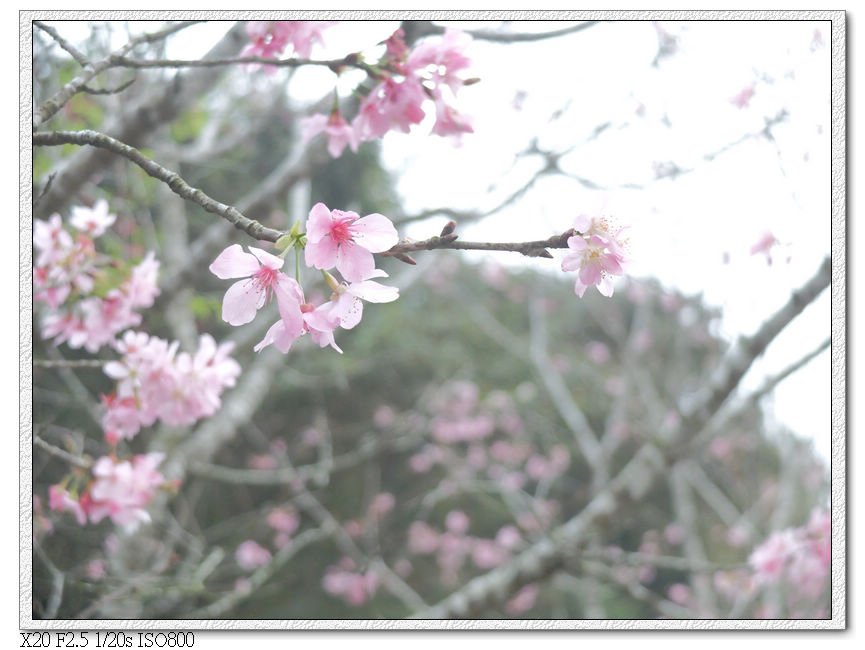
(90, 297)
(117, 489)
(334, 239)
(154, 382)
(798, 557)
(90, 300)
(405, 81)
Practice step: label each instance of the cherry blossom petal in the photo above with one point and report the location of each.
(319, 223)
(590, 274)
(234, 263)
(375, 232)
(267, 259)
(241, 302)
(577, 243)
(289, 297)
(321, 254)
(372, 291)
(571, 263)
(324, 338)
(605, 286)
(355, 263)
(348, 309)
(277, 336)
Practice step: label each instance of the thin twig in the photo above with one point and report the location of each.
(108, 91)
(68, 363)
(72, 459)
(335, 65)
(62, 42)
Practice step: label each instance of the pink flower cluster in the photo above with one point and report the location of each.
(89, 298)
(407, 80)
(334, 239)
(800, 556)
(597, 254)
(351, 584)
(454, 546)
(270, 38)
(154, 382)
(119, 490)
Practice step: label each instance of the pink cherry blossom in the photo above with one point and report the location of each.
(121, 490)
(742, 99)
(339, 132)
(392, 104)
(154, 382)
(523, 601)
(284, 520)
(251, 555)
(65, 275)
(381, 504)
(352, 586)
(318, 322)
(457, 522)
(93, 221)
(347, 241)
(263, 280)
(270, 38)
(487, 554)
(596, 261)
(59, 500)
(439, 60)
(770, 558)
(422, 538)
(449, 121)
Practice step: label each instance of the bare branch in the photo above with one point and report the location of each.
(529, 249)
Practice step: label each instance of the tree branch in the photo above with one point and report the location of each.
(529, 249)
(50, 106)
(157, 171)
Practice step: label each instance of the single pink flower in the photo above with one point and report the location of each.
(60, 500)
(440, 59)
(347, 241)
(264, 279)
(93, 220)
(251, 555)
(346, 306)
(318, 322)
(596, 262)
(339, 132)
(769, 558)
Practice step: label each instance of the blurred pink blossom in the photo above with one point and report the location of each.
(251, 555)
